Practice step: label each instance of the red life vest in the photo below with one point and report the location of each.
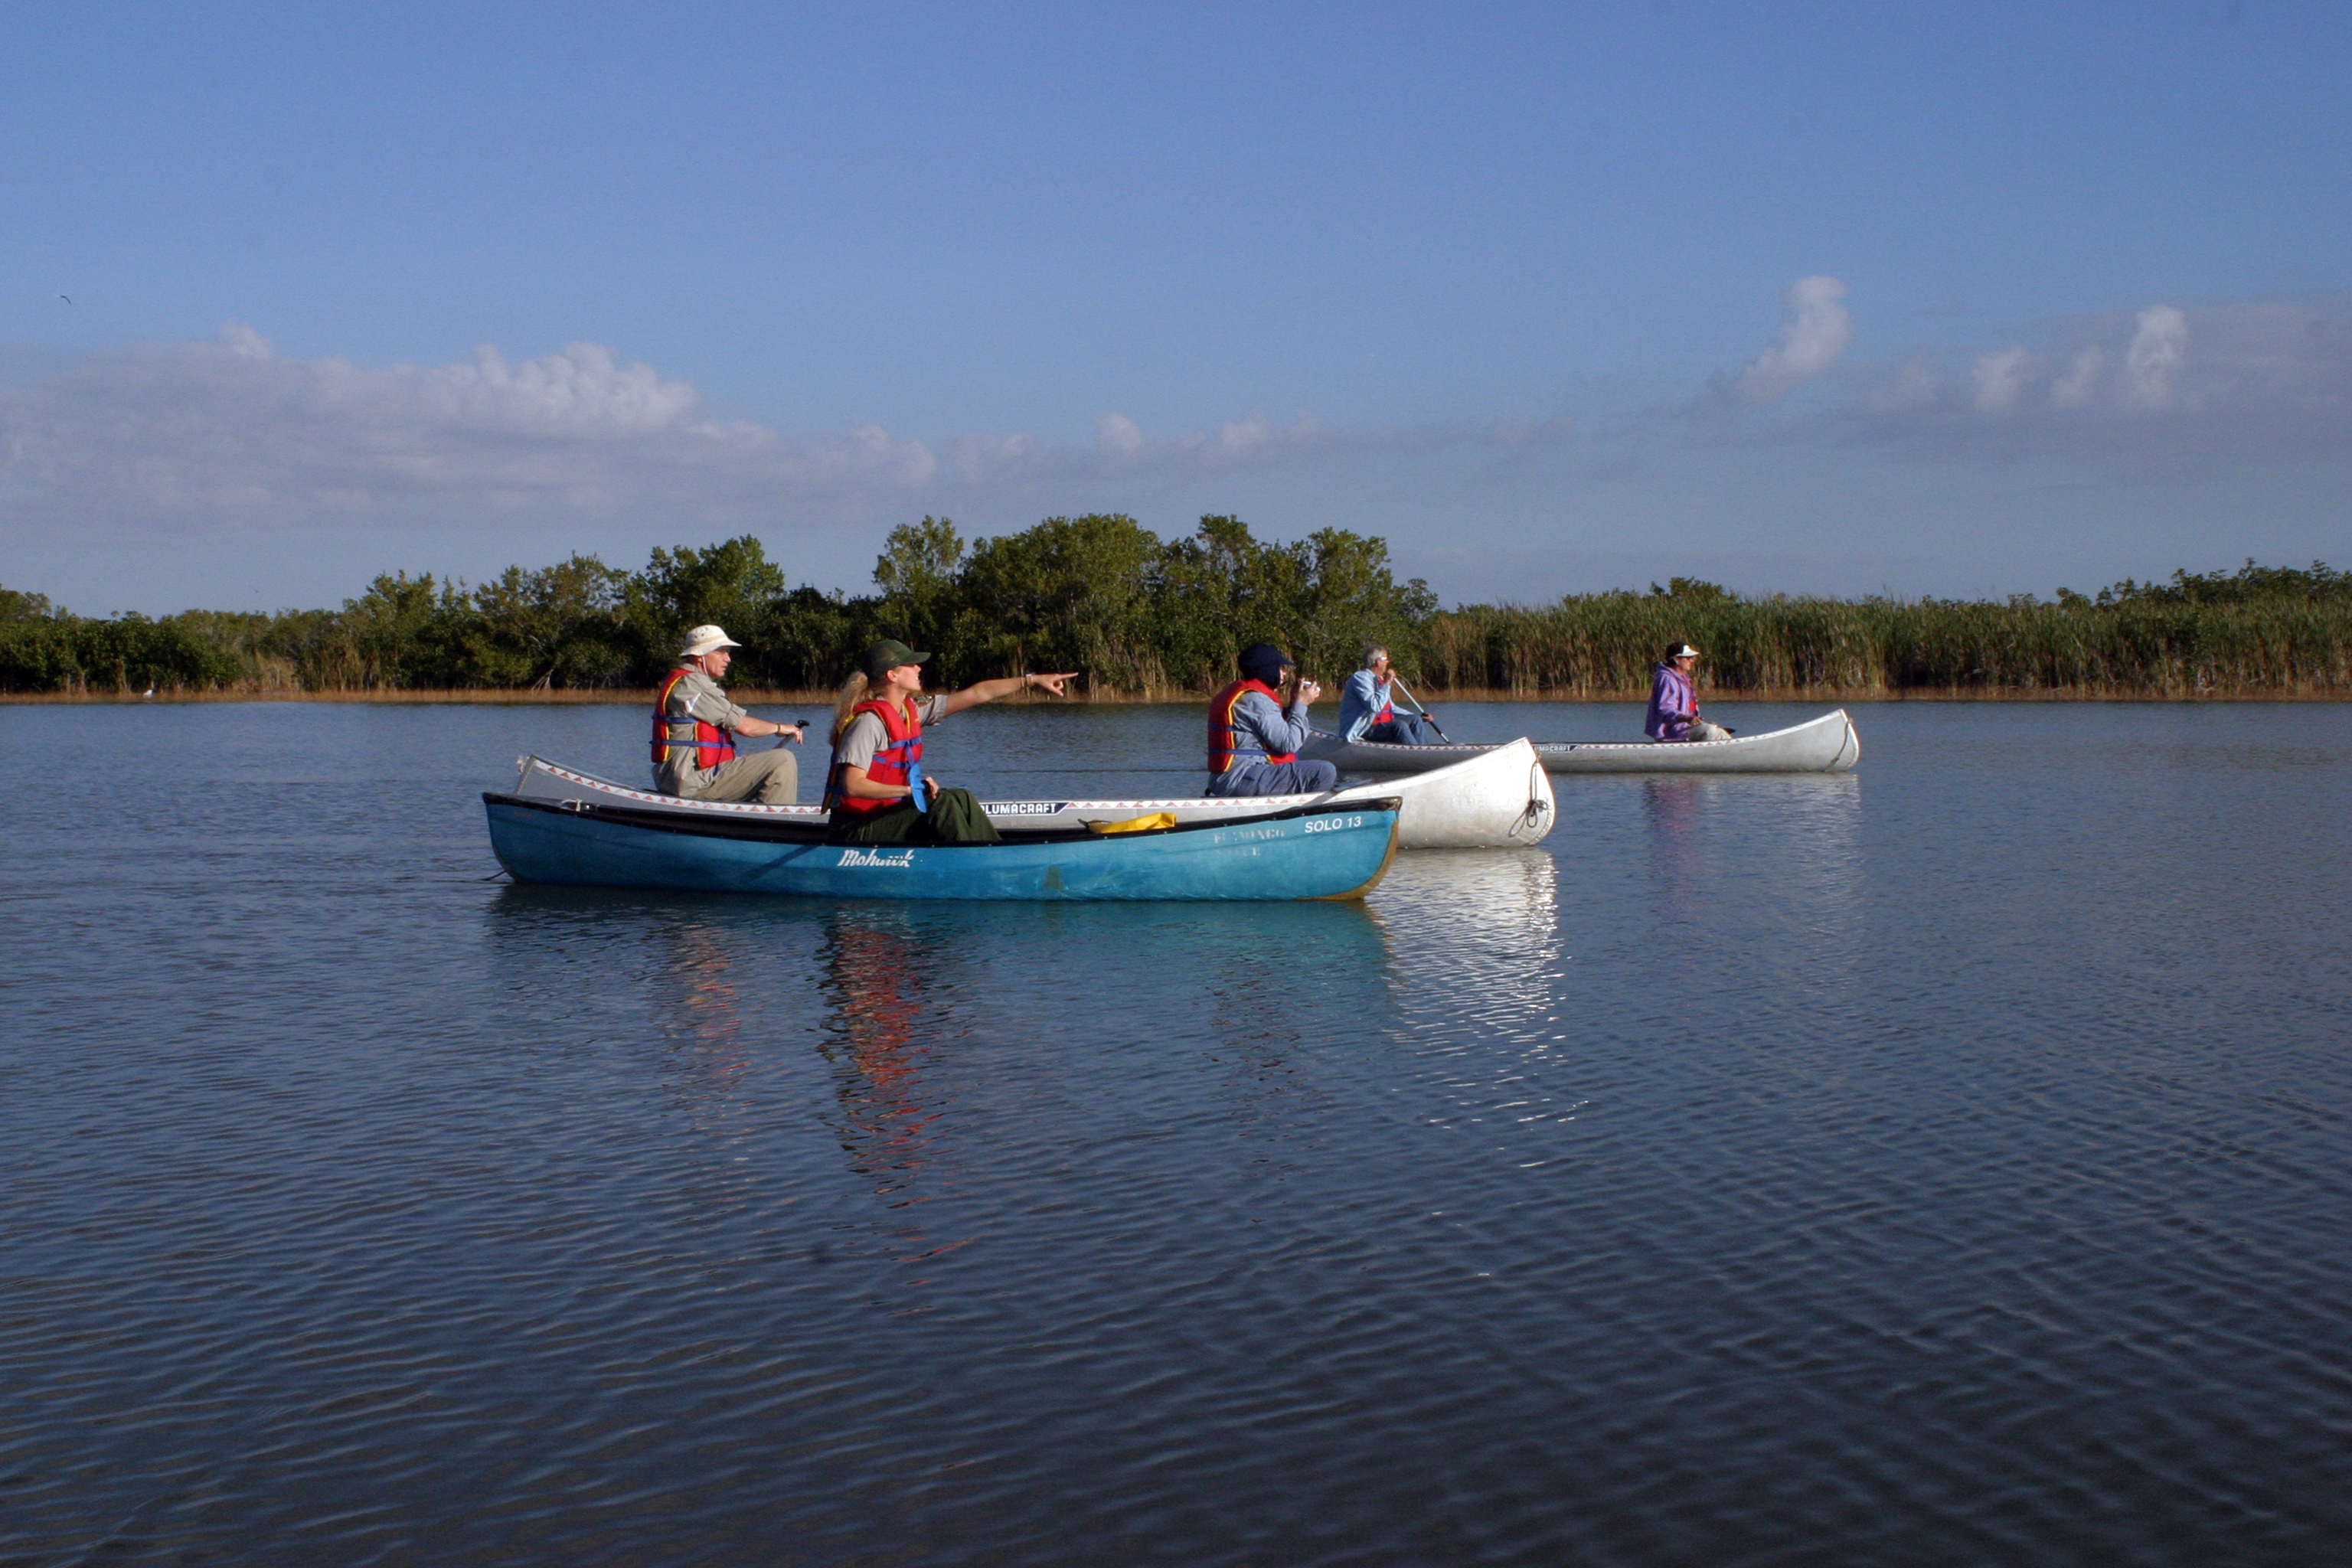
(712, 746)
(893, 763)
(1387, 715)
(1223, 753)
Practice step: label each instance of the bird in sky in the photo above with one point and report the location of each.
(66, 298)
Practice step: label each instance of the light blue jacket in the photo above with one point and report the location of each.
(1260, 726)
(1361, 701)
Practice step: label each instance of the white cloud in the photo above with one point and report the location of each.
(2155, 357)
(2170, 388)
(2000, 377)
(1815, 332)
(1118, 436)
(2171, 385)
(2075, 388)
(231, 430)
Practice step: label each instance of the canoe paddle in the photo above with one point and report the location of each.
(1424, 713)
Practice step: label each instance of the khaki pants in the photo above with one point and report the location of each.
(772, 778)
(1701, 730)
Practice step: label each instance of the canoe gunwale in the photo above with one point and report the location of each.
(1800, 748)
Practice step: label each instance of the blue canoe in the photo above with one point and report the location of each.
(1321, 851)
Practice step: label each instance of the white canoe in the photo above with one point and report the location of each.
(1491, 797)
(1824, 745)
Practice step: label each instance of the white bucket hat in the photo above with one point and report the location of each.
(703, 639)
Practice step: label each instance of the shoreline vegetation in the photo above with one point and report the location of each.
(1436, 697)
(1145, 619)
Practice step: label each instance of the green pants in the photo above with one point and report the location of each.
(955, 817)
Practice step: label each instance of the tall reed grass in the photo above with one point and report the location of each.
(1607, 645)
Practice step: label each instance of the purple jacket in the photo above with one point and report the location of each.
(1673, 706)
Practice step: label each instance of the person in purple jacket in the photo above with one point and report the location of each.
(1674, 706)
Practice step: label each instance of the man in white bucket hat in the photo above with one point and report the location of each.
(694, 727)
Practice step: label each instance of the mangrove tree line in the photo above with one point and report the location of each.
(1140, 616)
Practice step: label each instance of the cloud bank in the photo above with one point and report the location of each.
(233, 430)
(2162, 386)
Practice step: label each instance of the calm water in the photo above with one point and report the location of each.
(1948, 1163)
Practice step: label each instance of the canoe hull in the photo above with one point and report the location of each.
(1330, 852)
(1500, 798)
(1824, 745)
(1495, 797)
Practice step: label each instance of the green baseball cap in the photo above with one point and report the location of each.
(887, 655)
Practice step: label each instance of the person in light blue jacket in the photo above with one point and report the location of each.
(1254, 741)
(1368, 709)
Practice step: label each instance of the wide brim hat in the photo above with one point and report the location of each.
(706, 639)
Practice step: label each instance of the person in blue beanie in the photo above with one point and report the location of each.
(1254, 739)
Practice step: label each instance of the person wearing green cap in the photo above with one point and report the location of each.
(876, 789)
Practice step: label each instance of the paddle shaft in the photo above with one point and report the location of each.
(1424, 713)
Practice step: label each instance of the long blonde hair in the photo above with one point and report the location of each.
(857, 689)
(853, 691)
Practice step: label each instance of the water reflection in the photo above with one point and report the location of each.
(1799, 836)
(1671, 809)
(687, 989)
(1488, 993)
(886, 975)
(1290, 987)
(1482, 924)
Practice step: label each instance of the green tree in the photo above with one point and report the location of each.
(1321, 599)
(732, 585)
(403, 632)
(921, 572)
(1069, 594)
(556, 627)
(19, 606)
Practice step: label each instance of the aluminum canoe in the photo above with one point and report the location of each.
(1325, 850)
(1494, 799)
(1824, 745)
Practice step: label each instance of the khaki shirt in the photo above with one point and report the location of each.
(695, 695)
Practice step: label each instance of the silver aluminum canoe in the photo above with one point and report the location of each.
(1824, 745)
(1491, 797)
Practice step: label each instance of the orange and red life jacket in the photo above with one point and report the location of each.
(898, 762)
(712, 746)
(1223, 753)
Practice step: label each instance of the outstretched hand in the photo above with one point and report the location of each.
(1058, 684)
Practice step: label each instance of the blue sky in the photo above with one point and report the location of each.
(1802, 298)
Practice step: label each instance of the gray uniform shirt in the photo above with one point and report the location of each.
(695, 695)
(867, 734)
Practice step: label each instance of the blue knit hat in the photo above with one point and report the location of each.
(1263, 661)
